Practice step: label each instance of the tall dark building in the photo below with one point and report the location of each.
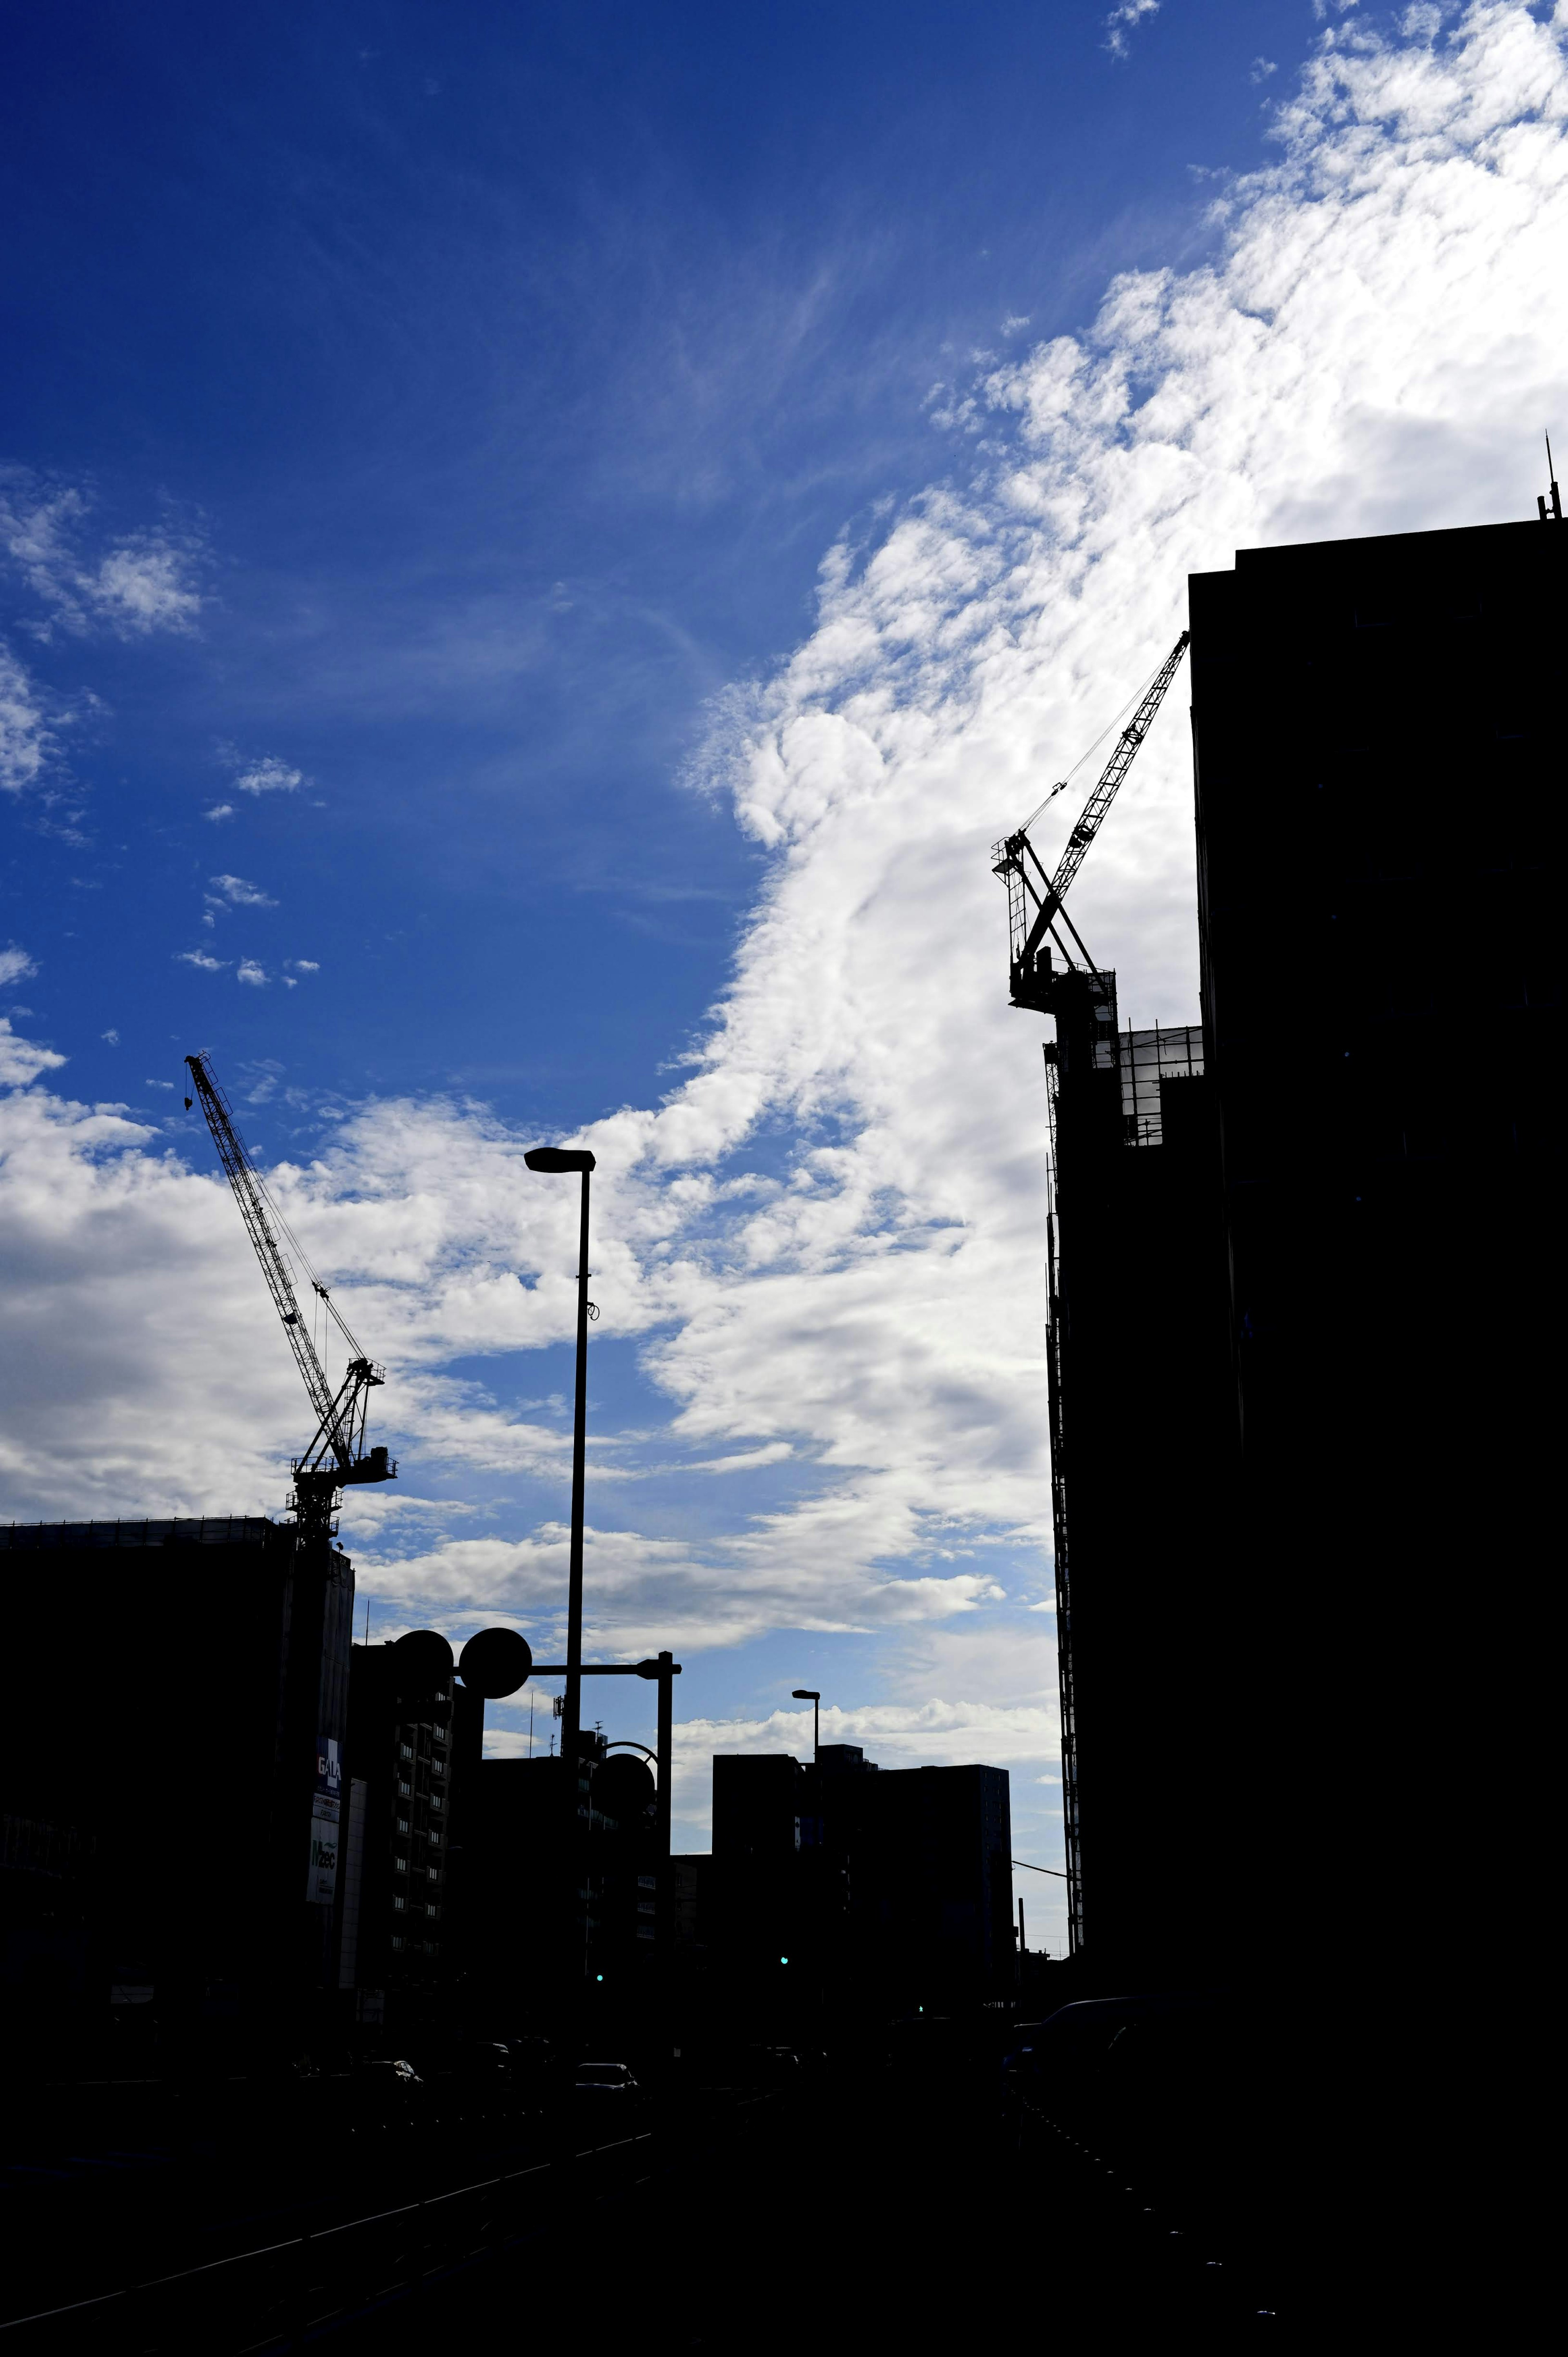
(1300, 1259)
(1378, 729)
(412, 1762)
(1142, 1454)
(170, 1766)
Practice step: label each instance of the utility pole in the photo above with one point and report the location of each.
(552, 1160)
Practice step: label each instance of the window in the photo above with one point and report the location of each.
(405, 1750)
(397, 1938)
(433, 1873)
(436, 1801)
(405, 1786)
(403, 1824)
(434, 1837)
(398, 1902)
(433, 1911)
(399, 1866)
(439, 1766)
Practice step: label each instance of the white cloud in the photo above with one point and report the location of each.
(16, 965)
(142, 586)
(157, 1084)
(112, 1037)
(1122, 20)
(269, 775)
(202, 958)
(249, 971)
(220, 809)
(302, 965)
(25, 740)
(20, 1061)
(141, 583)
(1262, 67)
(240, 894)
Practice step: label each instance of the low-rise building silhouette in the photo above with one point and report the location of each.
(866, 1891)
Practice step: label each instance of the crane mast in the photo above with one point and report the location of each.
(1035, 900)
(336, 1454)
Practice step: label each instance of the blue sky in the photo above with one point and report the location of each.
(506, 374)
(541, 547)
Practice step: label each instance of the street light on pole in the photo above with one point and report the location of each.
(552, 1160)
(804, 1693)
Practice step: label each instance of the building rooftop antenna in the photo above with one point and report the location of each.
(1550, 504)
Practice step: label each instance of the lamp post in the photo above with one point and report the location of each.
(804, 1693)
(552, 1160)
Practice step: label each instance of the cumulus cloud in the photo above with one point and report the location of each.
(239, 893)
(249, 971)
(202, 958)
(1121, 21)
(111, 1036)
(141, 587)
(142, 582)
(220, 809)
(268, 776)
(824, 1245)
(20, 1060)
(24, 740)
(16, 965)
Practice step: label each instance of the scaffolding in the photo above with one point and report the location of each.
(1144, 1059)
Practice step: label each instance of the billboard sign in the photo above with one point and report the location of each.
(329, 1766)
(321, 1881)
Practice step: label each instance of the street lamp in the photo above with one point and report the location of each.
(553, 1160)
(804, 1693)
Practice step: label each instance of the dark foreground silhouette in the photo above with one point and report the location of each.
(934, 2177)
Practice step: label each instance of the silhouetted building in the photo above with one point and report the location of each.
(865, 1890)
(514, 1878)
(170, 1762)
(1378, 727)
(1301, 1262)
(761, 1927)
(1142, 1447)
(412, 1758)
(931, 1886)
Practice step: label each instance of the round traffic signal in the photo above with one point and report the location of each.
(623, 1787)
(423, 1660)
(495, 1662)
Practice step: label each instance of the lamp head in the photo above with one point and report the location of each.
(554, 1159)
(803, 1694)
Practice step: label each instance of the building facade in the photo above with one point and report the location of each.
(171, 1770)
(412, 1758)
(1377, 731)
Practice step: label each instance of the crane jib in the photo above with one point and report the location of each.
(1028, 926)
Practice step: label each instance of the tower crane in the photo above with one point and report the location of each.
(336, 1454)
(1035, 901)
(1082, 997)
